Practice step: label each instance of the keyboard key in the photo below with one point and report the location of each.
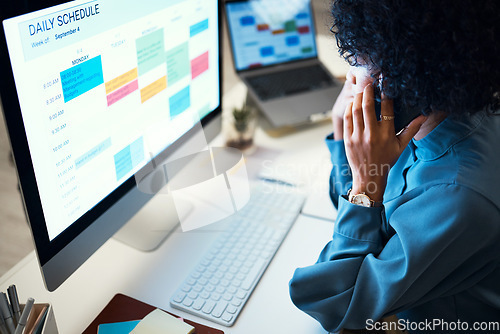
(215, 296)
(195, 275)
(253, 274)
(267, 254)
(231, 309)
(241, 294)
(219, 309)
(236, 283)
(188, 302)
(227, 317)
(208, 307)
(227, 296)
(198, 288)
(237, 301)
(198, 304)
(179, 297)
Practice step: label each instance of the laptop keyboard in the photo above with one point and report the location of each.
(278, 84)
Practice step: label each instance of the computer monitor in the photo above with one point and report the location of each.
(92, 92)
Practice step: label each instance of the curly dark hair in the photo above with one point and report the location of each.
(432, 54)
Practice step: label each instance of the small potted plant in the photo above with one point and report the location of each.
(240, 127)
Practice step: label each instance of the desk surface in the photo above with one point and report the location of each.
(153, 277)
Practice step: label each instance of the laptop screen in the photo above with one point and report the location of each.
(270, 32)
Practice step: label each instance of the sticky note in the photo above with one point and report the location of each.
(159, 322)
(118, 327)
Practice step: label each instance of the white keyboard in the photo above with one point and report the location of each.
(221, 283)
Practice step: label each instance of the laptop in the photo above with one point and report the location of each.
(273, 43)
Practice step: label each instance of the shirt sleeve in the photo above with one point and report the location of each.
(340, 176)
(439, 248)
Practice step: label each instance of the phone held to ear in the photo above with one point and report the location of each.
(402, 117)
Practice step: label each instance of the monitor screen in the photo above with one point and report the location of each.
(270, 32)
(102, 88)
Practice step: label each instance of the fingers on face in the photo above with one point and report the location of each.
(387, 106)
(360, 117)
(387, 109)
(370, 119)
(357, 113)
(350, 78)
(411, 130)
(348, 121)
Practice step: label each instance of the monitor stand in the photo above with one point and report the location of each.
(151, 225)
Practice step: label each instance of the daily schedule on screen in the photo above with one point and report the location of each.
(86, 81)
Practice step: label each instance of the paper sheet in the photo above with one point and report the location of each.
(159, 322)
(118, 327)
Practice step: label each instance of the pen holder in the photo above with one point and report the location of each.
(41, 319)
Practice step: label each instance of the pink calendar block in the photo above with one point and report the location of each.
(122, 92)
(199, 65)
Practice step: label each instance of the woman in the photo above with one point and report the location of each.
(418, 226)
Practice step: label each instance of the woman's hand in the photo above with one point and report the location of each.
(345, 97)
(372, 146)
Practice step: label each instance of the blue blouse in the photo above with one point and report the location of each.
(431, 252)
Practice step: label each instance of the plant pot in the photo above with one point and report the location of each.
(237, 134)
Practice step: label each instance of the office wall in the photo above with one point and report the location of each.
(15, 237)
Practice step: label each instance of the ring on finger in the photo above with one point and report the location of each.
(387, 118)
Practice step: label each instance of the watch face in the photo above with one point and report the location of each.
(361, 199)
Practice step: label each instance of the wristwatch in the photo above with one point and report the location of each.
(362, 199)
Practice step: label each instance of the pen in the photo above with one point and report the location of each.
(24, 316)
(14, 302)
(277, 181)
(7, 315)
